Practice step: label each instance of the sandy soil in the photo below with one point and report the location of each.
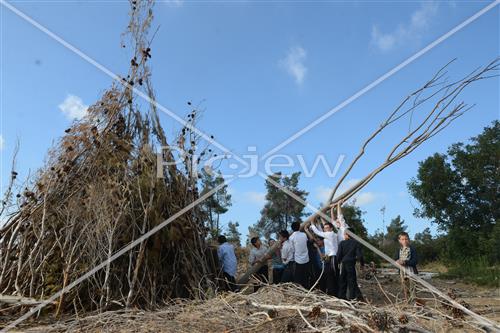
(482, 300)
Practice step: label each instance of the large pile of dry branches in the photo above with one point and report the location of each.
(98, 192)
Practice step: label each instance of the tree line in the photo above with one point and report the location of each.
(457, 191)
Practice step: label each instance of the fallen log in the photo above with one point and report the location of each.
(18, 300)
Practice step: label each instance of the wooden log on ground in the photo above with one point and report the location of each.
(18, 300)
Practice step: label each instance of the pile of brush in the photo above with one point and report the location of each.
(99, 191)
(274, 308)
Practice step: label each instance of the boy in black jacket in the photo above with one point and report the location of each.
(406, 256)
(348, 253)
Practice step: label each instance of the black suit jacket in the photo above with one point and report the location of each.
(412, 262)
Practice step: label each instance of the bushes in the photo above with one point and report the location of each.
(475, 270)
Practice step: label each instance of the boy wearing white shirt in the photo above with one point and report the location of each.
(301, 255)
(331, 241)
(258, 255)
(287, 256)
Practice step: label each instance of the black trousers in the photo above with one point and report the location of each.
(288, 272)
(230, 282)
(277, 273)
(261, 276)
(348, 282)
(314, 274)
(331, 276)
(301, 275)
(322, 281)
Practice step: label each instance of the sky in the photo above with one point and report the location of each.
(262, 71)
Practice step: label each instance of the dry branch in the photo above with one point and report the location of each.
(274, 308)
(437, 118)
(99, 192)
(18, 300)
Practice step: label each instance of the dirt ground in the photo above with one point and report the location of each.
(482, 300)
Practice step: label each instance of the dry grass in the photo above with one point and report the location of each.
(274, 308)
(434, 266)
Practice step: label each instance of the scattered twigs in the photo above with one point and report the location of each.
(274, 308)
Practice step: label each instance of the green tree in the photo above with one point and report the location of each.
(354, 218)
(233, 235)
(460, 193)
(396, 227)
(377, 238)
(427, 246)
(280, 210)
(424, 237)
(217, 204)
(389, 240)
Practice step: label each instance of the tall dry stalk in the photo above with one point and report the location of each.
(98, 192)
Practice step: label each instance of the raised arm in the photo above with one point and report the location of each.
(340, 223)
(308, 233)
(340, 234)
(317, 231)
(340, 217)
(332, 215)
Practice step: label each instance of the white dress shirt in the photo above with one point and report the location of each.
(299, 243)
(331, 238)
(287, 252)
(257, 253)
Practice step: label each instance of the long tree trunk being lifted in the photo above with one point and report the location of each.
(439, 116)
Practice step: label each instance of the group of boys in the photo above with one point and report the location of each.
(326, 260)
(323, 257)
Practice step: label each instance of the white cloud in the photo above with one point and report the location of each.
(258, 198)
(250, 197)
(407, 32)
(364, 198)
(361, 198)
(73, 108)
(175, 3)
(322, 193)
(383, 41)
(293, 63)
(2, 142)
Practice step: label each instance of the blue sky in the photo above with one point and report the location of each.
(262, 71)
